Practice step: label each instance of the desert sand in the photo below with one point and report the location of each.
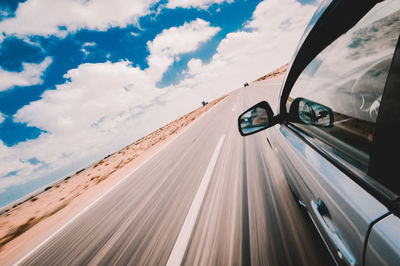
(274, 73)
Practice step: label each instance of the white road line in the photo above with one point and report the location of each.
(20, 261)
(179, 249)
(234, 107)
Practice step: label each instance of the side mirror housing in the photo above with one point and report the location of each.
(256, 118)
(307, 112)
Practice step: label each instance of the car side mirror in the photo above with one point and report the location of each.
(308, 112)
(256, 118)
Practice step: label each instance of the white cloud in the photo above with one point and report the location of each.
(89, 44)
(30, 75)
(85, 46)
(11, 161)
(2, 118)
(96, 90)
(49, 17)
(85, 52)
(200, 4)
(267, 42)
(194, 66)
(174, 41)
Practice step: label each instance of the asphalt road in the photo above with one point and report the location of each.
(210, 197)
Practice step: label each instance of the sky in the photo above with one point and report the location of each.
(80, 79)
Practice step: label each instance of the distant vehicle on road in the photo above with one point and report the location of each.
(337, 131)
(246, 84)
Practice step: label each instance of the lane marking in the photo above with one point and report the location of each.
(20, 261)
(181, 243)
(234, 107)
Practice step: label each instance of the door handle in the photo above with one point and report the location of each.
(343, 253)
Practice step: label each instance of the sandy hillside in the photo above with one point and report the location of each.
(27, 223)
(274, 73)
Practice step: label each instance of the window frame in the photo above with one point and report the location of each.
(387, 132)
(325, 31)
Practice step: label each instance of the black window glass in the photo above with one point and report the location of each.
(349, 77)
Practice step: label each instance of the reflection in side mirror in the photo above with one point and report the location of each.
(310, 113)
(255, 119)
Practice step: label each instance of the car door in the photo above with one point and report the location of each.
(330, 166)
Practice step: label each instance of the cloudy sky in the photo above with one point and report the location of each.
(80, 79)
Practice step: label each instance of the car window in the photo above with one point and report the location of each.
(349, 77)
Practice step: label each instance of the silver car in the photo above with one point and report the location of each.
(337, 130)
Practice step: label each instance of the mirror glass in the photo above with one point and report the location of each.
(254, 120)
(312, 113)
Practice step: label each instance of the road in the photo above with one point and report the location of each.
(209, 197)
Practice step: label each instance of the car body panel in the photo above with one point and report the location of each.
(351, 209)
(384, 242)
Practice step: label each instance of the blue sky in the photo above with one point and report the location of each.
(76, 86)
